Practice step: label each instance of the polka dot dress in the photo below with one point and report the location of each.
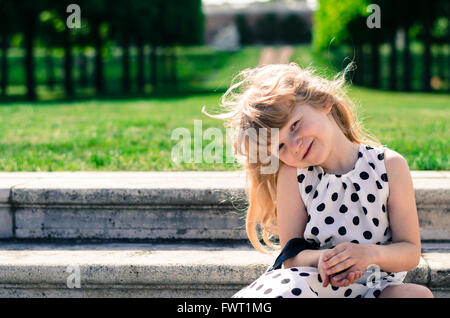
(341, 208)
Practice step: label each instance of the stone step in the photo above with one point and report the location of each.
(160, 205)
(201, 269)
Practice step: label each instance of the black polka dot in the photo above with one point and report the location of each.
(371, 198)
(320, 176)
(328, 184)
(360, 154)
(309, 218)
(355, 241)
(354, 197)
(380, 156)
(377, 293)
(386, 231)
(369, 148)
(383, 208)
(277, 275)
(268, 291)
(314, 231)
(372, 165)
(296, 291)
(304, 274)
(315, 194)
(364, 175)
(308, 189)
(334, 287)
(293, 269)
(319, 278)
(348, 292)
(384, 177)
(359, 296)
(375, 221)
(364, 210)
(367, 235)
(310, 168)
(259, 287)
(279, 297)
(321, 207)
(342, 230)
(379, 186)
(356, 220)
(357, 187)
(328, 239)
(329, 220)
(300, 178)
(343, 208)
(338, 175)
(285, 281)
(334, 197)
(344, 185)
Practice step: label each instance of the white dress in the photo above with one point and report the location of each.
(341, 208)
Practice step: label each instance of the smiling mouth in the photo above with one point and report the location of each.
(307, 151)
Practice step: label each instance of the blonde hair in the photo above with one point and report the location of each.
(263, 97)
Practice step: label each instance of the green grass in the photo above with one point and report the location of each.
(135, 135)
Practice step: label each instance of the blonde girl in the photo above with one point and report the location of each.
(336, 188)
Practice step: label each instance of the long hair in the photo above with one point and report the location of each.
(263, 97)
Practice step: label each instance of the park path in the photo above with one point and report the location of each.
(271, 55)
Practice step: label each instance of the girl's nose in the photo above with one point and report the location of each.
(296, 144)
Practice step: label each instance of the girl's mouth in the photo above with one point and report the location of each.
(307, 151)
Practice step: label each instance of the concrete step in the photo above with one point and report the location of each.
(159, 269)
(160, 205)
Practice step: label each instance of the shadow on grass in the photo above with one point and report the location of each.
(166, 93)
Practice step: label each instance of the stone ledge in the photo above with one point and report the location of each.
(154, 270)
(160, 205)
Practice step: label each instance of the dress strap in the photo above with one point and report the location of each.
(292, 248)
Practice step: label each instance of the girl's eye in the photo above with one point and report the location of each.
(294, 125)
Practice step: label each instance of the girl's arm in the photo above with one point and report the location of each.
(291, 213)
(404, 252)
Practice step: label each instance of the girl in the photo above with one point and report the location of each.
(336, 188)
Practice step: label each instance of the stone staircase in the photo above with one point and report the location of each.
(159, 234)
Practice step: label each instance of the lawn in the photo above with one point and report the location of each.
(135, 135)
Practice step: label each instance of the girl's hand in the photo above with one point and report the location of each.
(345, 259)
(345, 279)
(322, 269)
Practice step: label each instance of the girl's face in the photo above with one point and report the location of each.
(305, 140)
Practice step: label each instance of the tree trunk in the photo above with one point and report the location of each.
(29, 34)
(99, 82)
(4, 65)
(173, 68)
(393, 62)
(140, 61)
(359, 73)
(154, 67)
(126, 64)
(407, 62)
(83, 69)
(375, 55)
(68, 65)
(427, 51)
(50, 68)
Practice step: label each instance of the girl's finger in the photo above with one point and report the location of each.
(336, 259)
(332, 252)
(325, 278)
(340, 267)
